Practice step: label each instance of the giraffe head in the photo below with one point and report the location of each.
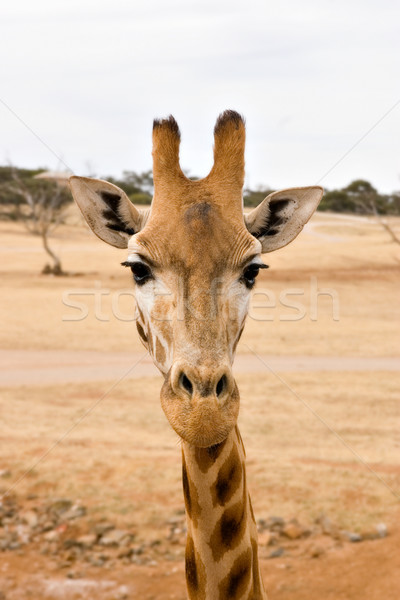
(194, 258)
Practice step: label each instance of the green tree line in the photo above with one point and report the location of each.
(359, 197)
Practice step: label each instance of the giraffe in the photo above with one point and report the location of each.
(195, 257)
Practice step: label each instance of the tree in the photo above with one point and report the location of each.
(143, 182)
(138, 186)
(336, 201)
(254, 197)
(369, 201)
(40, 204)
(10, 203)
(362, 198)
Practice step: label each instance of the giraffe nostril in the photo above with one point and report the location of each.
(186, 383)
(221, 385)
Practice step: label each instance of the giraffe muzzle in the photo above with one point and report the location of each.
(202, 405)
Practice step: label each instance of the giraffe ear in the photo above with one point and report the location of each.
(107, 209)
(282, 215)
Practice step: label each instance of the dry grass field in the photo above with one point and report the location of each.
(327, 312)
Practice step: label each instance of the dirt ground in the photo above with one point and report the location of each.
(318, 369)
(367, 571)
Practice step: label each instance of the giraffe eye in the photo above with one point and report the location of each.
(141, 272)
(250, 273)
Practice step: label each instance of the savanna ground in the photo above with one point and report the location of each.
(307, 364)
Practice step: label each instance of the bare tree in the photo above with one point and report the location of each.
(368, 201)
(42, 209)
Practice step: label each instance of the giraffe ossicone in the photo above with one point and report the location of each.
(195, 257)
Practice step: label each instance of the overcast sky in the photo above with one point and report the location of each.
(311, 77)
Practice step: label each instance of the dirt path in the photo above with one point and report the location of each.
(370, 570)
(41, 367)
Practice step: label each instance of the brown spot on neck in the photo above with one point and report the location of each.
(229, 478)
(195, 572)
(229, 530)
(192, 506)
(206, 457)
(235, 584)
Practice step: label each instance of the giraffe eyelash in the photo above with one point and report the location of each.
(250, 273)
(140, 271)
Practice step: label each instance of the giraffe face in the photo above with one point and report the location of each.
(193, 275)
(194, 258)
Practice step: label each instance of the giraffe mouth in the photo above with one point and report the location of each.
(202, 421)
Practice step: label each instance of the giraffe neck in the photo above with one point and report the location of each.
(221, 546)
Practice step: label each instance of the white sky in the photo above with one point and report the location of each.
(311, 78)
